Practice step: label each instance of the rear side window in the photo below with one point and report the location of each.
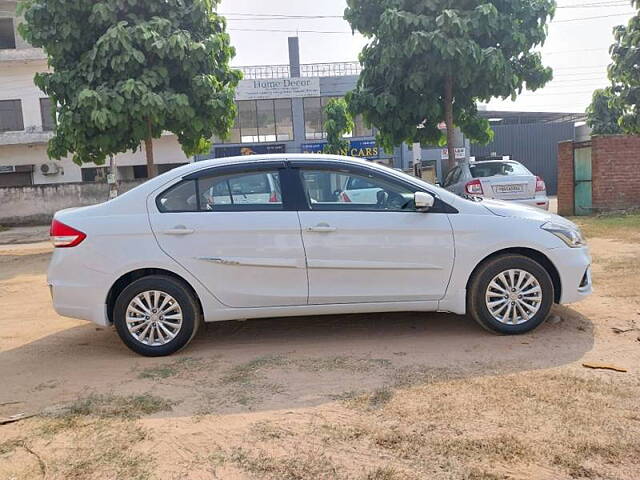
(498, 169)
(179, 198)
(235, 192)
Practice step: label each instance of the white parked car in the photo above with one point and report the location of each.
(498, 179)
(271, 236)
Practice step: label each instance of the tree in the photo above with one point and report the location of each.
(124, 71)
(429, 61)
(624, 73)
(603, 114)
(339, 122)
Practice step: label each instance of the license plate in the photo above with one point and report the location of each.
(508, 188)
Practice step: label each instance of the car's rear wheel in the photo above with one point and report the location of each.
(156, 316)
(510, 294)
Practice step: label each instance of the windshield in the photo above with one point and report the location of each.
(494, 169)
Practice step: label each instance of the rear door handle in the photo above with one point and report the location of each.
(322, 228)
(179, 230)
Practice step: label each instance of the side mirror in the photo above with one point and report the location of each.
(424, 202)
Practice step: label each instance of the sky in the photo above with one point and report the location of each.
(577, 47)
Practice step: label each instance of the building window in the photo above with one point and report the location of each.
(7, 34)
(140, 172)
(284, 120)
(260, 121)
(314, 119)
(98, 174)
(48, 120)
(11, 116)
(360, 129)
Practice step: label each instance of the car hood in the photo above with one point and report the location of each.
(510, 209)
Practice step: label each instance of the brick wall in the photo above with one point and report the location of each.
(565, 179)
(615, 161)
(616, 172)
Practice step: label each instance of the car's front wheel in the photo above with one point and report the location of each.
(510, 294)
(156, 316)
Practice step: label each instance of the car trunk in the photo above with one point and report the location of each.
(509, 187)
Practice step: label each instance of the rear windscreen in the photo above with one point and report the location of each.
(498, 169)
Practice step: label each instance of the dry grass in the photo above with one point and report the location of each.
(180, 367)
(475, 429)
(110, 406)
(618, 227)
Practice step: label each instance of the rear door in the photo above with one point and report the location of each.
(235, 231)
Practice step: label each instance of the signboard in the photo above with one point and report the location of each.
(222, 152)
(357, 148)
(461, 154)
(7, 169)
(264, 89)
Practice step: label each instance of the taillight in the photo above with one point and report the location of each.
(474, 187)
(273, 198)
(64, 236)
(344, 198)
(540, 185)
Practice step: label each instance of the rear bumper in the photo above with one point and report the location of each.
(65, 303)
(538, 202)
(574, 267)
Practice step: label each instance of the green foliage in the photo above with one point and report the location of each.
(484, 48)
(124, 71)
(625, 75)
(603, 114)
(339, 122)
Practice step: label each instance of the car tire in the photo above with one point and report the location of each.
(139, 316)
(503, 295)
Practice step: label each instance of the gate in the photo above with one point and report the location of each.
(582, 180)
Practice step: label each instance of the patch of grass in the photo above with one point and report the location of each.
(302, 466)
(171, 369)
(619, 227)
(504, 447)
(9, 446)
(384, 473)
(106, 449)
(267, 430)
(110, 406)
(371, 401)
(247, 372)
(3, 228)
(351, 364)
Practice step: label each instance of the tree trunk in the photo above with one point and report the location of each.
(152, 170)
(448, 119)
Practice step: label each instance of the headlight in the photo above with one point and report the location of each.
(571, 236)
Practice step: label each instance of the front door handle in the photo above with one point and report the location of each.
(322, 228)
(179, 230)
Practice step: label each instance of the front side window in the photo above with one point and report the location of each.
(345, 190)
(233, 192)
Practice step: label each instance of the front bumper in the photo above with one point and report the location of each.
(574, 268)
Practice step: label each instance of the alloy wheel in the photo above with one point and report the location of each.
(513, 297)
(154, 318)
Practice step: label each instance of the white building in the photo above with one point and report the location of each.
(26, 125)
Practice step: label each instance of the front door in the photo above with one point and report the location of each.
(231, 230)
(365, 242)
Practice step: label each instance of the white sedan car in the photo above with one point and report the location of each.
(199, 244)
(500, 180)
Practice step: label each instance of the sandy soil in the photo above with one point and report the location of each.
(385, 396)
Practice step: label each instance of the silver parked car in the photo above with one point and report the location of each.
(500, 180)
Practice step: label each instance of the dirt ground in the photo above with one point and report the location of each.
(377, 397)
